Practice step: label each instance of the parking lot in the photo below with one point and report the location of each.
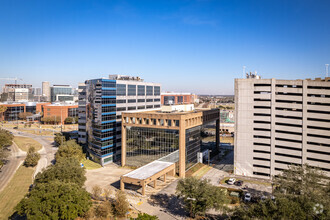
(257, 187)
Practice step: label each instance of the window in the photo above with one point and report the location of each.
(156, 90)
(108, 101)
(108, 84)
(141, 100)
(108, 92)
(121, 89)
(121, 101)
(149, 100)
(141, 90)
(141, 107)
(132, 101)
(121, 109)
(156, 100)
(131, 108)
(131, 90)
(149, 90)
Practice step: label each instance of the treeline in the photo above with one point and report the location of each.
(58, 191)
(6, 140)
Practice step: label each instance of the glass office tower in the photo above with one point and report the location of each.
(105, 99)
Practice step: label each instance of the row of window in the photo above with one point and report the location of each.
(140, 90)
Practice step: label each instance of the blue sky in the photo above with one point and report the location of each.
(188, 46)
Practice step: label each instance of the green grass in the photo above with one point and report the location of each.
(90, 165)
(15, 191)
(202, 171)
(24, 143)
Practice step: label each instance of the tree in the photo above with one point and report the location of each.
(145, 216)
(69, 120)
(55, 200)
(301, 192)
(70, 149)
(96, 192)
(32, 157)
(6, 139)
(59, 139)
(121, 205)
(2, 110)
(67, 170)
(51, 120)
(103, 210)
(23, 115)
(199, 195)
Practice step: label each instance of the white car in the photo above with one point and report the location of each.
(231, 181)
(247, 197)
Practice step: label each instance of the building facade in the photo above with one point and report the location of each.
(13, 110)
(281, 122)
(60, 111)
(46, 90)
(174, 137)
(61, 93)
(105, 99)
(171, 98)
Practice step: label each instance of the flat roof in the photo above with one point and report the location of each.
(148, 170)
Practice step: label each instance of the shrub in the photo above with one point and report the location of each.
(32, 157)
(121, 205)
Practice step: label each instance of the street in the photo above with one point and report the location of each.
(17, 157)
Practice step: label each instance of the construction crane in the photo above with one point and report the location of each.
(12, 79)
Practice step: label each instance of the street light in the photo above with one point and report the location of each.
(209, 157)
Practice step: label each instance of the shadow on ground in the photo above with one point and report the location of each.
(170, 203)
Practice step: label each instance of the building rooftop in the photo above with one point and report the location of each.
(148, 170)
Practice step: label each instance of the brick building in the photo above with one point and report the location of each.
(60, 110)
(170, 98)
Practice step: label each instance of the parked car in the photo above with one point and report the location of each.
(239, 183)
(231, 181)
(15, 127)
(247, 197)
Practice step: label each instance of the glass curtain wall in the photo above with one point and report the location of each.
(193, 145)
(144, 145)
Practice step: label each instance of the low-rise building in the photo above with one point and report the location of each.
(168, 136)
(172, 98)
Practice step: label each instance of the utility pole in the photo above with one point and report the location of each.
(209, 158)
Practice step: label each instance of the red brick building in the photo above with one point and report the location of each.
(60, 111)
(170, 98)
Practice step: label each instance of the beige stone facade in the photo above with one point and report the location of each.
(180, 121)
(281, 122)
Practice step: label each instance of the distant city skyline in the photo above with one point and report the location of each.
(195, 46)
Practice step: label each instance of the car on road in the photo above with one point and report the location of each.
(231, 181)
(15, 127)
(247, 197)
(239, 183)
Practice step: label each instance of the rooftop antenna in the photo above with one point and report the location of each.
(327, 69)
(244, 71)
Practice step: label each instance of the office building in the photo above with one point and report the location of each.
(46, 90)
(61, 111)
(82, 113)
(61, 93)
(169, 136)
(105, 99)
(281, 122)
(172, 98)
(13, 109)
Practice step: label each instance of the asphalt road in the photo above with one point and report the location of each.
(47, 154)
(8, 170)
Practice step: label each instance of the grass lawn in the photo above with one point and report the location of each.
(24, 143)
(90, 165)
(15, 191)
